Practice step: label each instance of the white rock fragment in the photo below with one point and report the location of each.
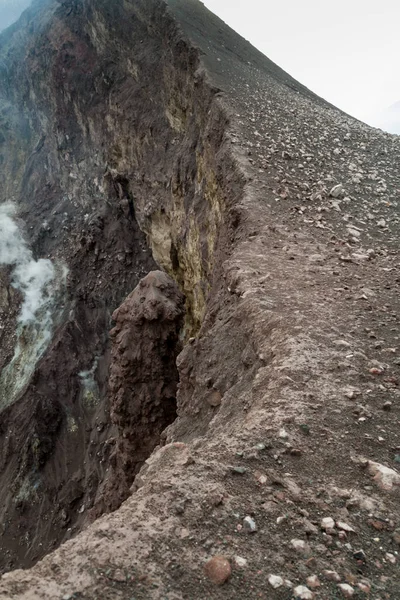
(391, 558)
(346, 589)
(283, 434)
(240, 561)
(275, 581)
(327, 523)
(384, 477)
(300, 546)
(313, 582)
(301, 592)
(249, 525)
(345, 527)
(337, 191)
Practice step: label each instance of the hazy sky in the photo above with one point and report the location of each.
(347, 51)
(10, 10)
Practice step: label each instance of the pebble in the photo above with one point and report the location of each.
(396, 536)
(240, 561)
(332, 576)
(300, 546)
(328, 523)
(249, 525)
(346, 589)
(119, 576)
(275, 581)
(384, 477)
(345, 527)
(364, 587)
(337, 191)
(301, 592)
(391, 558)
(309, 527)
(239, 470)
(360, 555)
(218, 570)
(313, 582)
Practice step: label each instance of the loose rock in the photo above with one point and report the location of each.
(301, 592)
(218, 569)
(328, 523)
(249, 525)
(346, 589)
(275, 581)
(384, 477)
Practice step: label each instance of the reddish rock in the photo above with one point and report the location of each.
(218, 569)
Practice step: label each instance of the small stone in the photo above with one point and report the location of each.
(327, 523)
(378, 525)
(376, 371)
(261, 478)
(384, 477)
(119, 576)
(387, 406)
(300, 546)
(332, 576)
(309, 528)
(391, 558)
(218, 570)
(275, 581)
(346, 589)
(249, 525)
(304, 428)
(283, 434)
(337, 191)
(364, 587)
(295, 452)
(345, 527)
(301, 592)
(313, 582)
(215, 398)
(396, 536)
(240, 562)
(280, 520)
(360, 555)
(239, 470)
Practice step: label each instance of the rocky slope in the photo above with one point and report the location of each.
(136, 134)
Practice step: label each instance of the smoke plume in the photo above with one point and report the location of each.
(29, 276)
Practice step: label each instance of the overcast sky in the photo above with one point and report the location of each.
(347, 51)
(10, 10)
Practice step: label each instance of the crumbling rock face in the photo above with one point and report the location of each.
(143, 378)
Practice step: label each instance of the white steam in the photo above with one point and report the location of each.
(41, 283)
(29, 276)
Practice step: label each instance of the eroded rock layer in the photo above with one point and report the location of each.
(143, 379)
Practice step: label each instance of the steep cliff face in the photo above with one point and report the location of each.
(137, 135)
(114, 156)
(107, 125)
